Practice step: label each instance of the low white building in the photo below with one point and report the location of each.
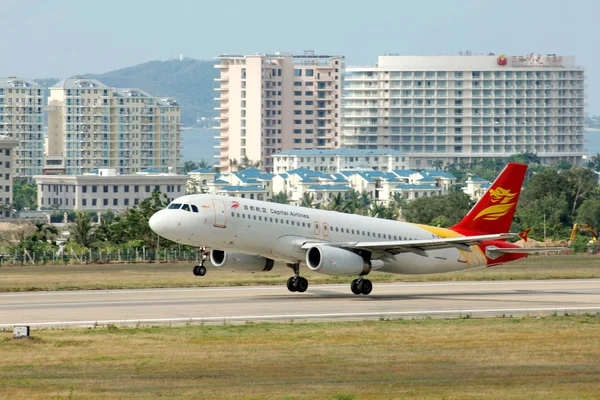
(104, 189)
(335, 160)
(476, 187)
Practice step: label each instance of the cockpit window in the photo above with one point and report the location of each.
(186, 207)
(194, 208)
(174, 206)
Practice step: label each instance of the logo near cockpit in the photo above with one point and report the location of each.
(235, 204)
(502, 199)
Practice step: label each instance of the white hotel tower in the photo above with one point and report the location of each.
(466, 108)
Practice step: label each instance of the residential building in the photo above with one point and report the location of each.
(335, 160)
(105, 189)
(274, 102)
(7, 148)
(466, 108)
(476, 187)
(22, 118)
(91, 125)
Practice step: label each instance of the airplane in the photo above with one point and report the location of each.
(253, 235)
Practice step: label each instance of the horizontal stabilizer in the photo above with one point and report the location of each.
(495, 252)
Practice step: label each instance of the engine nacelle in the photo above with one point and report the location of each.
(335, 261)
(240, 262)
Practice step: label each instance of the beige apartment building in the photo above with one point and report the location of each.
(466, 108)
(274, 102)
(105, 189)
(91, 125)
(22, 118)
(7, 148)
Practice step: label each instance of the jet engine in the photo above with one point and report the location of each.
(240, 262)
(335, 261)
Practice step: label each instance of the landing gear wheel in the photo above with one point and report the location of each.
(199, 270)
(301, 284)
(366, 287)
(291, 284)
(354, 287)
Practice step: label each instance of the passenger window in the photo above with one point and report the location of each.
(347, 230)
(271, 219)
(303, 224)
(276, 220)
(244, 216)
(379, 235)
(174, 206)
(287, 221)
(395, 238)
(259, 218)
(384, 236)
(186, 207)
(194, 208)
(353, 231)
(232, 214)
(368, 233)
(238, 215)
(363, 233)
(255, 217)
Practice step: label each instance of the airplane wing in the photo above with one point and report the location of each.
(419, 247)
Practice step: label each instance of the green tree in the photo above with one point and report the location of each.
(589, 213)
(281, 198)
(82, 230)
(549, 213)
(24, 194)
(448, 209)
(307, 200)
(189, 166)
(581, 185)
(337, 203)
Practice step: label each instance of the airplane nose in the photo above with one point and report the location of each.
(156, 222)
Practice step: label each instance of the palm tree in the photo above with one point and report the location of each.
(378, 210)
(233, 165)
(438, 164)
(281, 198)
(353, 204)
(365, 199)
(337, 203)
(307, 200)
(82, 231)
(204, 165)
(189, 166)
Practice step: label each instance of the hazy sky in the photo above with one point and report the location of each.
(58, 38)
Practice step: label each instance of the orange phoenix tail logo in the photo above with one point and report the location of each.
(502, 200)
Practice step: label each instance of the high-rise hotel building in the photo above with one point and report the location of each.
(466, 108)
(274, 102)
(22, 118)
(91, 125)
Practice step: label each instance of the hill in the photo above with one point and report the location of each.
(190, 81)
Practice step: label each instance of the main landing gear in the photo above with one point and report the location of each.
(200, 270)
(361, 286)
(297, 283)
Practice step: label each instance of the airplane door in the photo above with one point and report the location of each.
(219, 208)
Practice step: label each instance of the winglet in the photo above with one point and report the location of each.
(494, 212)
(524, 234)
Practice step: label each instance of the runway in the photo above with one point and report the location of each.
(319, 303)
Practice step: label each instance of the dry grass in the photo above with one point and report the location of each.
(503, 358)
(137, 276)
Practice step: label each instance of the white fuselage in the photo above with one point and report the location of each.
(278, 231)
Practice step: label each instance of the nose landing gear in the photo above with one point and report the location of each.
(199, 270)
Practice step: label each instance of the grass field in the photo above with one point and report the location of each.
(132, 276)
(502, 358)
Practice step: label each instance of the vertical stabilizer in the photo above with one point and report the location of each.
(494, 212)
